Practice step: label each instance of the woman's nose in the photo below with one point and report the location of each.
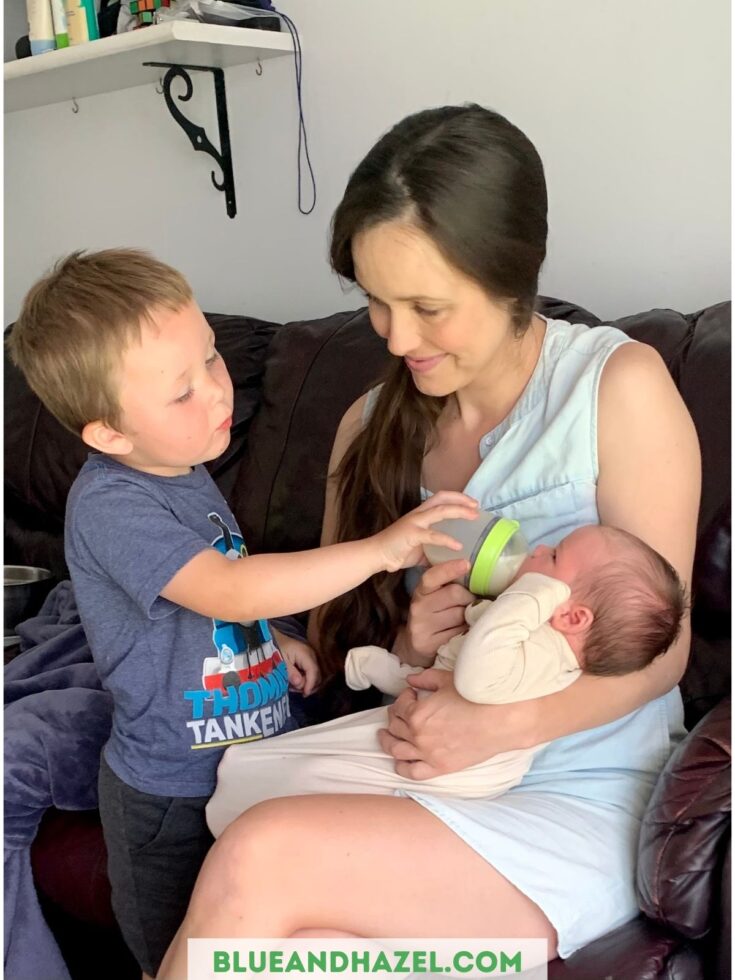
(403, 338)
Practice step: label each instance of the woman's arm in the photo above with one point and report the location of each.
(348, 428)
(649, 484)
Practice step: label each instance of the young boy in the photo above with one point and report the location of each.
(174, 610)
(602, 601)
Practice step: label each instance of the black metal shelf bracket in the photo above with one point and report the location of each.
(197, 136)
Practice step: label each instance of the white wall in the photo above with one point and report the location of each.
(626, 100)
(15, 25)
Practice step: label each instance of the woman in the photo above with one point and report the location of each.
(443, 225)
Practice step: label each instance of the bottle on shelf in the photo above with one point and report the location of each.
(40, 26)
(61, 31)
(81, 18)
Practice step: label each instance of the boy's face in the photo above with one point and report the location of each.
(175, 395)
(582, 550)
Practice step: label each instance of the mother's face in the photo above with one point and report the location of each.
(449, 332)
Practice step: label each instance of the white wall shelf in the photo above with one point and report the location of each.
(116, 62)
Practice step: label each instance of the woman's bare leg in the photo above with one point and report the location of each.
(365, 865)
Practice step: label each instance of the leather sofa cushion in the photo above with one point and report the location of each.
(69, 860)
(315, 370)
(638, 950)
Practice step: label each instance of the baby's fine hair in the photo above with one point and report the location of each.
(638, 602)
(77, 321)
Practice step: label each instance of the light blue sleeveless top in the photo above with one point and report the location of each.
(566, 835)
(540, 467)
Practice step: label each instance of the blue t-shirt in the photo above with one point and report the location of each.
(184, 687)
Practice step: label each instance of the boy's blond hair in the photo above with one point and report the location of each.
(78, 320)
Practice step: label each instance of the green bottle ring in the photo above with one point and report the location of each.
(490, 550)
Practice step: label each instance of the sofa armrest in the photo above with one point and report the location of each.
(722, 932)
(685, 831)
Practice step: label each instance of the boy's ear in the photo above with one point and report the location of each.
(101, 436)
(572, 617)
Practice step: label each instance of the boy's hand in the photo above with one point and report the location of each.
(401, 544)
(301, 664)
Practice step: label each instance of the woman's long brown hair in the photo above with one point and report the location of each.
(474, 184)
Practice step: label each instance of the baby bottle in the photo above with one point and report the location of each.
(493, 545)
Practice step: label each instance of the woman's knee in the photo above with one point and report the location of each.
(258, 831)
(248, 850)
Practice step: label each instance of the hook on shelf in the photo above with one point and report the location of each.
(74, 105)
(159, 87)
(258, 68)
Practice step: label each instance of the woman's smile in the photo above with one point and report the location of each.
(420, 365)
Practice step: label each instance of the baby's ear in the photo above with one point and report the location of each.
(572, 617)
(99, 435)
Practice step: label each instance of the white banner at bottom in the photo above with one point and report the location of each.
(214, 959)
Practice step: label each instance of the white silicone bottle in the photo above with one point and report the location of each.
(493, 545)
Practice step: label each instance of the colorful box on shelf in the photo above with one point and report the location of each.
(145, 10)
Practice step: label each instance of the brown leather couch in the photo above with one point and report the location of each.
(292, 384)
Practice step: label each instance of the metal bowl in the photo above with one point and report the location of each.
(25, 589)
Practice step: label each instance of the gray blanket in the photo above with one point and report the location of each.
(57, 719)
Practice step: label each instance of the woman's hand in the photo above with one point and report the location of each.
(436, 613)
(430, 736)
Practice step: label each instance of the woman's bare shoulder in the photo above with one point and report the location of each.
(629, 361)
(350, 424)
(349, 427)
(649, 462)
(636, 387)
(631, 364)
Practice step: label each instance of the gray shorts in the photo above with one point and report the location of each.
(155, 847)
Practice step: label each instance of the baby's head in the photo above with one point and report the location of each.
(116, 348)
(627, 602)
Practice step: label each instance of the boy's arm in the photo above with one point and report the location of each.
(492, 650)
(266, 586)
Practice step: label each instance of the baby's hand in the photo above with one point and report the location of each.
(401, 544)
(301, 664)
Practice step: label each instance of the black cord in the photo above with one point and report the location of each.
(303, 142)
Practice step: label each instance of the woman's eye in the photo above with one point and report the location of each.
(211, 360)
(185, 397)
(422, 311)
